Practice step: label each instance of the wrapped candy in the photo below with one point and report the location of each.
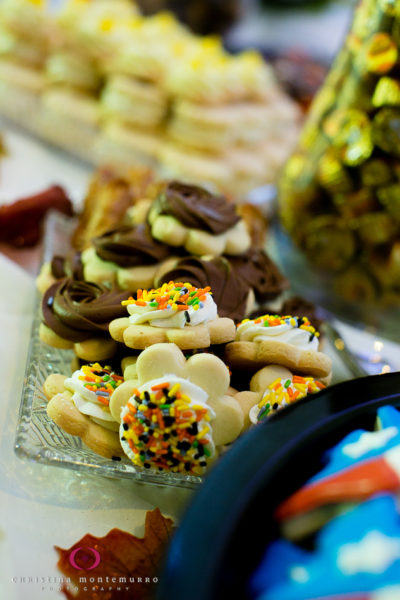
(340, 192)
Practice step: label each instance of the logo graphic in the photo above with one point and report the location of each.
(88, 559)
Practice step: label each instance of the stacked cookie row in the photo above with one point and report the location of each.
(168, 403)
(186, 234)
(128, 88)
(174, 409)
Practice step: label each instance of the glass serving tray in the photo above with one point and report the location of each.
(38, 438)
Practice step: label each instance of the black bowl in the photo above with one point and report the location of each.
(229, 523)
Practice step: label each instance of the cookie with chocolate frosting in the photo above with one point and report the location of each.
(76, 314)
(231, 293)
(59, 267)
(196, 208)
(204, 223)
(260, 273)
(127, 257)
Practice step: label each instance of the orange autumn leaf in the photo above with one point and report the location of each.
(109, 568)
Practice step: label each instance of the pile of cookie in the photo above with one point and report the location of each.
(172, 366)
(128, 88)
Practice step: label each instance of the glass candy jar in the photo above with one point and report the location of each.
(339, 197)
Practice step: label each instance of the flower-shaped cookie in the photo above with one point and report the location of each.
(76, 314)
(80, 406)
(189, 216)
(175, 312)
(177, 411)
(288, 341)
(274, 387)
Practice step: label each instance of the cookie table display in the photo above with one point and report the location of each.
(127, 257)
(177, 413)
(274, 387)
(291, 342)
(364, 463)
(76, 315)
(234, 298)
(80, 406)
(189, 216)
(175, 312)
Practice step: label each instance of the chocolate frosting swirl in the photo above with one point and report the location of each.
(260, 273)
(77, 310)
(130, 247)
(67, 266)
(196, 208)
(230, 293)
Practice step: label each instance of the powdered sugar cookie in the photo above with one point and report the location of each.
(288, 341)
(175, 312)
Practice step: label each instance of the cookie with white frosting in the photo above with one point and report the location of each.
(176, 312)
(291, 342)
(80, 405)
(274, 387)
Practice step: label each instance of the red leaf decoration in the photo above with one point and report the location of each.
(110, 568)
(20, 222)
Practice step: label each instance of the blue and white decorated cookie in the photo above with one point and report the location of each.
(356, 557)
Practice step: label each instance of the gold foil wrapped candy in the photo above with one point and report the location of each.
(375, 172)
(389, 196)
(379, 53)
(356, 284)
(332, 175)
(386, 265)
(355, 204)
(386, 130)
(350, 132)
(374, 228)
(387, 92)
(329, 242)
